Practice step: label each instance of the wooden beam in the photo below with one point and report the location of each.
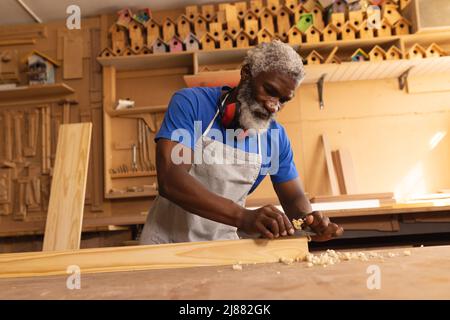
(348, 171)
(164, 256)
(330, 168)
(66, 204)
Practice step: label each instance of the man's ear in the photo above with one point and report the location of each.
(245, 72)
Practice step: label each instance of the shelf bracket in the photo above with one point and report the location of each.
(320, 90)
(403, 78)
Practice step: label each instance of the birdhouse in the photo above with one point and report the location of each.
(215, 29)
(159, 46)
(200, 26)
(330, 32)
(233, 27)
(208, 42)
(356, 17)
(145, 50)
(220, 17)
(318, 18)
(309, 4)
(402, 26)
(366, 32)
(208, 12)
(128, 52)
(283, 22)
(256, 6)
(294, 35)
(314, 58)
(312, 35)
(435, 51)
(349, 31)
(226, 40)
(393, 53)
(326, 3)
(168, 29)
(338, 19)
(124, 17)
(299, 11)
(184, 26)
(267, 20)
(153, 32)
(359, 55)
(416, 52)
(9, 66)
(251, 28)
(191, 43)
(264, 36)
(41, 68)
(273, 6)
(175, 44)
(136, 33)
(339, 6)
(119, 39)
(391, 14)
(106, 53)
(377, 54)
(385, 29)
(191, 12)
(305, 21)
(243, 39)
(241, 8)
(333, 58)
(143, 16)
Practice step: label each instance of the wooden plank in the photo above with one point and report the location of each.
(66, 204)
(348, 171)
(164, 256)
(353, 197)
(330, 168)
(73, 56)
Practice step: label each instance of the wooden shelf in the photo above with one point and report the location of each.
(34, 93)
(133, 174)
(149, 61)
(137, 110)
(131, 195)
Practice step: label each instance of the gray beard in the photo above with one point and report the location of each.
(253, 114)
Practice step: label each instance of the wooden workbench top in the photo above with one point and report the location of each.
(425, 274)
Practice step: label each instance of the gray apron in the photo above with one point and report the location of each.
(168, 222)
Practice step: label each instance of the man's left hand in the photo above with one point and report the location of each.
(321, 225)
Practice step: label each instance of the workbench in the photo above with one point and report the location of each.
(425, 274)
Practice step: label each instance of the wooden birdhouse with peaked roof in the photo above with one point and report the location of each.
(191, 43)
(366, 31)
(312, 35)
(359, 55)
(330, 32)
(294, 35)
(124, 17)
(216, 30)
(267, 20)
(184, 26)
(314, 58)
(230, 13)
(208, 42)
(145, 50)
(385, 29)
(318, 17)
(153, 32)
(252, 28)
(159, 46)
(168, 29)
(191, 12)
(349, 31)
(226, 40)
(175, 44)
(208, 12)
(106, 53)
(136, 33)
(273, 5)
(305, 21)
(402, 26)
(256, 6)
(220, 17)
(264, 36)
(435, 51)
(377, 54)
(283, 21)
(416, 52)
(41, 69)
(299, 11)
(391, 14)
(291, 5)
(233, 27)
(241, 8)
(243, 39)
(143, 16)
(250, 17)
(119, 39)
(200, 26)
(338, 19)
(128, 52)
(393, 53)
(356, 17)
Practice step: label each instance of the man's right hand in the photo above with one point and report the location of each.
(268, 221)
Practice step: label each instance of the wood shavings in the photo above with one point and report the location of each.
(237, 267)
(286, 260)
(297, 223)
(407, 253)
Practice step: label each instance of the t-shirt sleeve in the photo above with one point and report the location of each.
(178, 123)
(287, 170)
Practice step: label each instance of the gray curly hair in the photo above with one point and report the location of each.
(275, 56)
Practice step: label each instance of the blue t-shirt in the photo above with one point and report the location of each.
(190, 105)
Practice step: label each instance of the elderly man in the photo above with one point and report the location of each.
(205, 178)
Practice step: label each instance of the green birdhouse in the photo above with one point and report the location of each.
(305, 21)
